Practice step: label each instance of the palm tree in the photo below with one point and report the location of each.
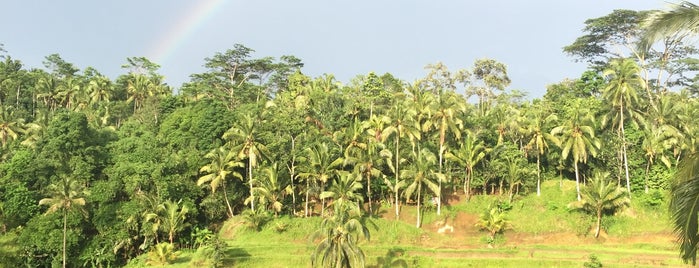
(576, 137)
(684, 207)
(600, 196)
(343, 190)
(494, 221)
(445, 118)
(173, 217)
(469, 154)
(620, 94)
(402, 122)
(339, 246)
(244, 135)
(271, 188)
(657, 141)
(539, 138)
(223, 164)
(680, 19)
(319, 166)
(68, 194)
(421, 173)
(9, 128)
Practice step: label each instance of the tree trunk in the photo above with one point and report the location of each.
(252, 196)
(468, 184)
(419, 190)
(538, 174)
(439, 194)
(599, 223)
(65, 229)
(623, 146)
(225, 196)
(395, 185)
(577, 179)
(292, 173)
(647, 170)
(308, 189)
(368, 190)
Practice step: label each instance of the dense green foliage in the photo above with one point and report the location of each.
(96, 171)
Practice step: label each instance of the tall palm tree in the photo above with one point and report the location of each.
(576, 137)
(446, 108)
(469, 154)
(602, 195)
(402, 122)
(319, 166)
(538, 139)
(66, 195)
(622, 97)
(243, 135)
(421, 173)
(223, 163)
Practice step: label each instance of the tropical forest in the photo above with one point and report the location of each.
(252, 163)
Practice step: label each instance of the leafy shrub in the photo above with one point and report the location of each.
(593, 262)
(256, 219)
(163, 253)
(653, 199)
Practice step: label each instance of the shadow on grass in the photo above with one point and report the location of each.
(394, 258)
(235, 256)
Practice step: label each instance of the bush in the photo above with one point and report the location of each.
(163, 253)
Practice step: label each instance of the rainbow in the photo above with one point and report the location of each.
(177, 35)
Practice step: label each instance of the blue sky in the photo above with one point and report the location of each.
(345, 38)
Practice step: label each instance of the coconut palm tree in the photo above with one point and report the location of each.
(402, 123)
(446, 108)
(172, 217)
(576, 138)
(319, 166)
(421, 173)
(271, 188)
(344, 190)
(684, 207)
(600, 196)
(66, 195)
(341, 232)
(470, 153)
(621, 96)
(680, 19)
(244, 138)
(223, 164)
(538, 139)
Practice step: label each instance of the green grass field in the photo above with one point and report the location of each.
(545, 233)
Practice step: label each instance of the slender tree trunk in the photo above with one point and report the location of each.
(252, 196)
(623, 147)
(395, 185)
(467, 191)
(308, 189)
(599, 223)
(439, 194)
(292, 173)
(538, 174)
(647, 170)
(65, 230)
(225, 196)
(577, 179)
(419, 190)
(368, 191)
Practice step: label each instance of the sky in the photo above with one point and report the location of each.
(344, 38)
